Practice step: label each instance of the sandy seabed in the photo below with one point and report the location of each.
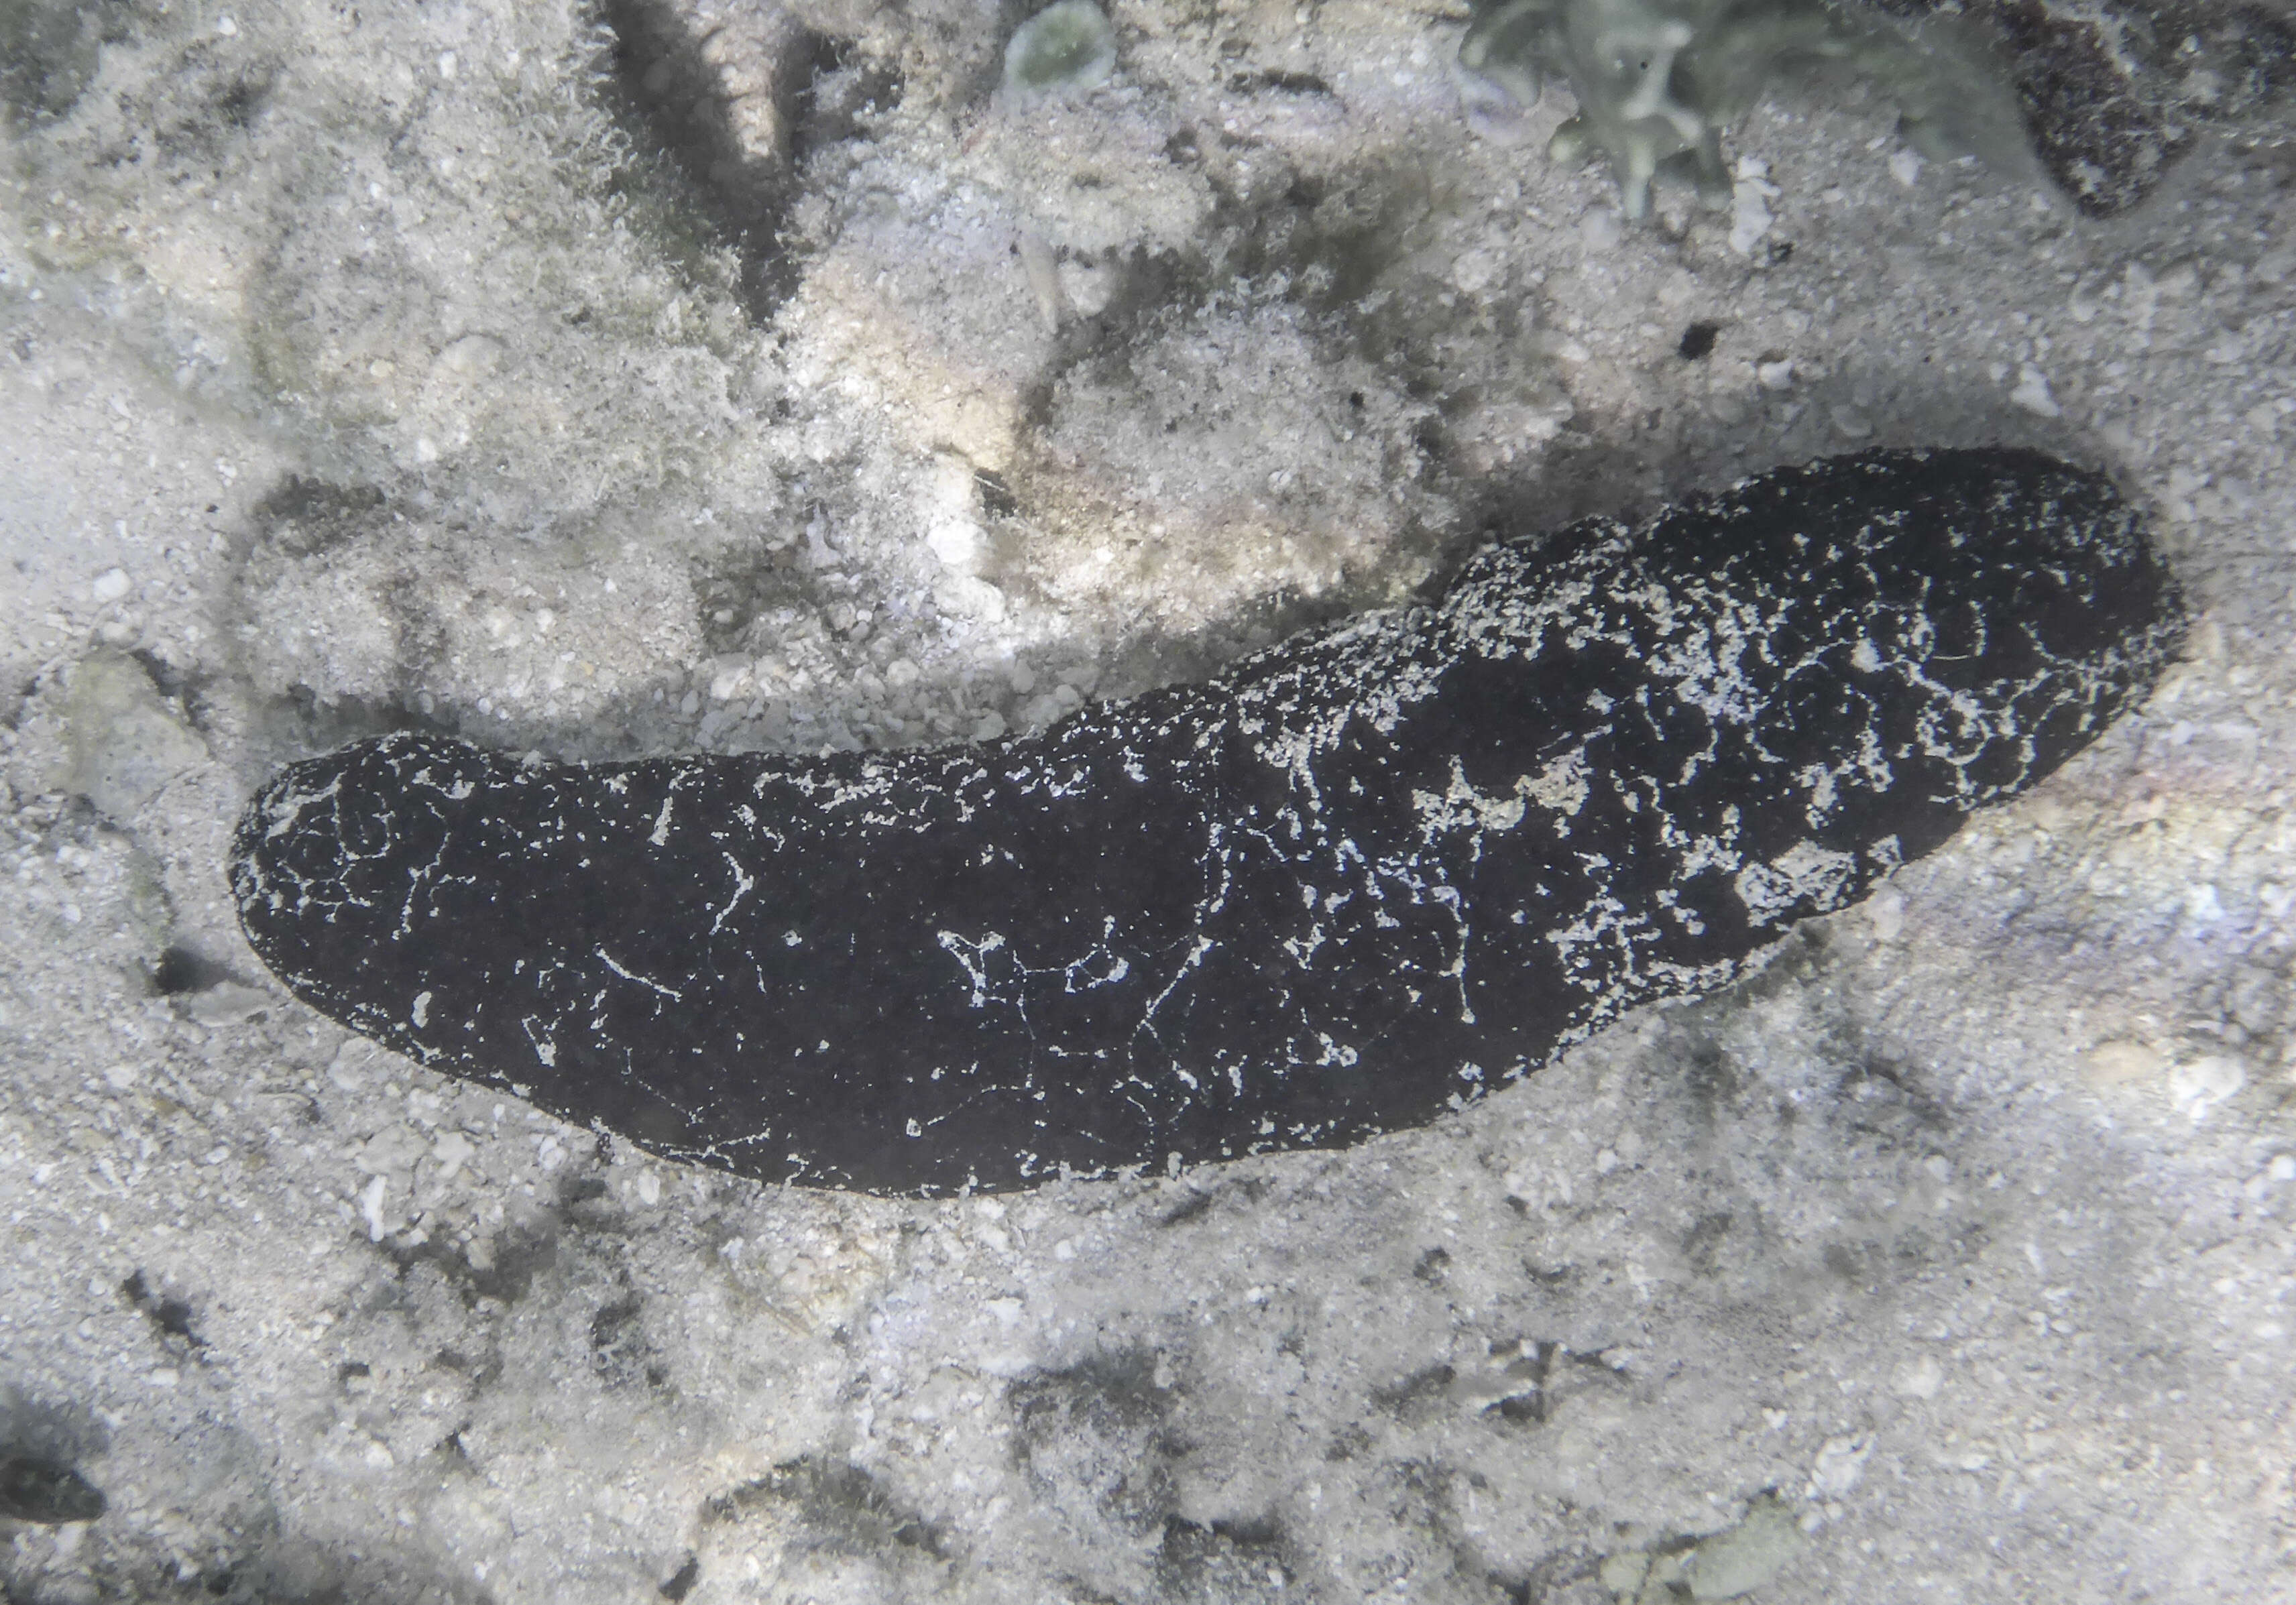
(658, 378)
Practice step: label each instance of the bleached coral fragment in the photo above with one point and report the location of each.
(2033, 393)
(1749, 208)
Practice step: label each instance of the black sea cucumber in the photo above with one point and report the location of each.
(1351, 882)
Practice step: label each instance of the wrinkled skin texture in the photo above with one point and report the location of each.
(1350, 883)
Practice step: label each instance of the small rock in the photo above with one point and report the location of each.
(394, 1148)
(473, 357)
(371, 1198)
(452, 1150)
(1885, 912)
(228, 1003)
(1598, 230)
(1624, 1574)
(351, 1063)
(2032, 392)
(956, 540)
(1746, 1557)
(2198, 1085)
(1839, 1467)
(125, 743)
(1474, 271)
(731, 678)
(1088, 286)
(2118, 1063)
(1750, 211)
(970, 598)
(1043, 268)
(1920, 1377)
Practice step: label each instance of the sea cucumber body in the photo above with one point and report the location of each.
(1355, 880)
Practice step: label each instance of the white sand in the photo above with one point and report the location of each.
(351, 365)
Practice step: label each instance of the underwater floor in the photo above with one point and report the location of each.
(606, 381)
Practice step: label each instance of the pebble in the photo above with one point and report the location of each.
(2118, 1063)
(1920, 1377)
(125, 740)
(453, 1150)
(371, 1208)
(1746, 1556)
(955, 542)
(474, 356)
(350, 1067)
(1839, 1467)
(1475, 270)
(1749, 197)
(2032, 392)
(2198, 1085)
(394, 1148)
(1624, 1574)
(1885, 912)
(229, 1003)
